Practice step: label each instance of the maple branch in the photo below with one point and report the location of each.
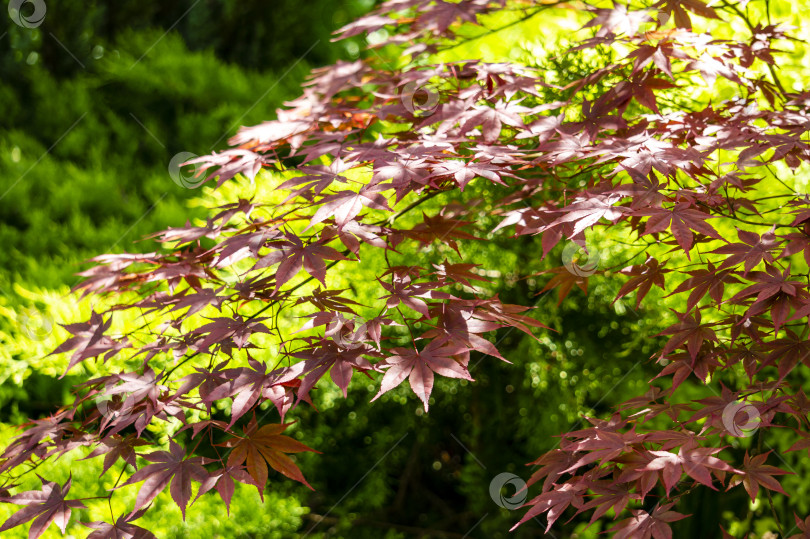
(777, 178)
(493, 31)
(409, 207)
(773, 512)
(581, 172)
(405, 320)
(750, 25)
(752, 222)
(749, 517)
(624, 263)
(592, 112)
(329, 266)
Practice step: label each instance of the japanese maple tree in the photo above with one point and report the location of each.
(704, 185)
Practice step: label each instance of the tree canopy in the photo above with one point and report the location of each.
(662, 156)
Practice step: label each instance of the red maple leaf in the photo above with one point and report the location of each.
(688, 331)
(804, 527)
(460, 273)
(753, 250)
(756, 473)
(122, 529)
(117, 447)
(223, 480)
(44, 506)
(642, 278)
(644, 525)
(265, 445)
(677, 8)
(554, 503)
(437, 228)
(169, 466)
(419, 366)
(696, 462)
(346, 205)
(612, 496)
(564, 280)
(788, 352)
(681, 219)
(293, 254)
(709, 281)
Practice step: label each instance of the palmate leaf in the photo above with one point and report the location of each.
(618, 20)
(44, 507)
(682, 220)
(168, 467)
(688, 332)
(710, 281)
(554, 503)
(644, 525)
(563, 279)
(756, 473)
(265, 445)
(418, 367)
(752, 250)
(787, 352)
(612, 496)
(696, 462)
(122, 529)
(328, 355)
(642, 278)
(585, 213)
(803, 526)
(116, 447)
(678, 9)
(344, 206)
(460, 273)
(293, 254)
(89, 341)
(224, 481)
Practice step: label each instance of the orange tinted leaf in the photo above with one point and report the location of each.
(262, 446)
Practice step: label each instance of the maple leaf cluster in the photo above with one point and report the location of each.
(624, 148)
